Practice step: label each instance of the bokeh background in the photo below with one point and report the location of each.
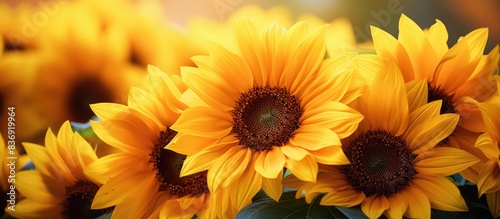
(459, 16)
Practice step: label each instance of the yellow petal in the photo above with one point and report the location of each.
(204, 122)
(442, 193)
(40, 158)
(398, 206)
(374, 206)
(488, 63)
(29, 208)
(273, 187)
(250, 45)
(294, 152)
(488, 146)
(489, 178)
(389, 48)
(210, 87)
(422, 55)
(477, 41)
(438, 37)
(270, 62)
(417, 94)
(300, 67)
(333, 155)
(251, 181)
(366, 66)
(228, 167)
(337, 116)
(189, 144)
(123, 135)
(172, 209)
(313, 137)
(151, 106)
(456, 59)
(428, 134)
(443, 161)
(305, 169)
(233, 68)
(136, 207)
(494, 203)
(270, 163)
(423, 114)
(108, 110)
(388, 102)
(33, 186)
(345, 198)
(491, 118)
(122, 187)
(112, 165)
(418, 203)
(330, 84)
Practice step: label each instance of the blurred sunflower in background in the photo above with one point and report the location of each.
(20, 48)
(95, 52)
(58, 188)
(143, 179)
(395, 168)
(340, 35)
(460, 76)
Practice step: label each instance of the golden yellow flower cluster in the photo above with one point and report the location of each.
(218, 113)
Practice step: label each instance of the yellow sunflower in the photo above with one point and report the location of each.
(12, 162)
(19, 57)
(395, 168)
(151, 38)
(87, 64)
(460, 76)
(489, 175)
(144, 179)
(58, 188)
(274, 103)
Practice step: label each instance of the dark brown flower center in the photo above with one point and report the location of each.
(436, 93)
(10, 45)
(265, 117)
(79, 199)
(381, 163)
(84, 92)
(135, 58)
(168, 166)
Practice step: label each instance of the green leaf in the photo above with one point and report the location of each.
(260, 195)
(353, 212)
(87, 132)
(105, 216)
(290, 208)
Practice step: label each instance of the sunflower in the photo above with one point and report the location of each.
(489, 175)
(19, 57)
(140, 130)
(12, 162)
(274, 103)
(86, 64)
(167, 46)
(424, 54)
(58, 188)
(395, 168)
